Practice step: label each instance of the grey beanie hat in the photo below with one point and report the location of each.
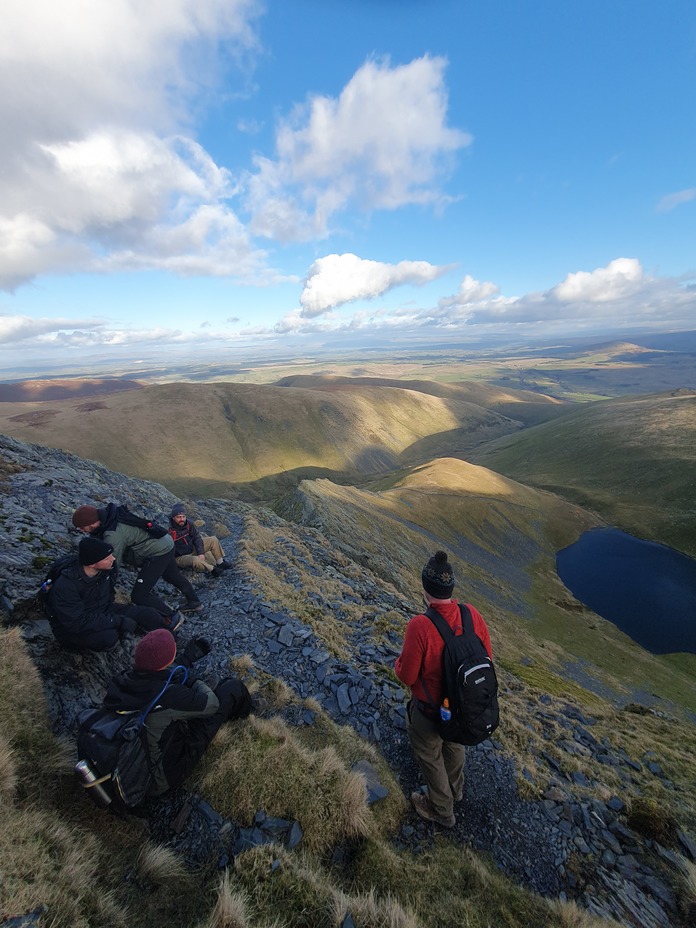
(178, 509)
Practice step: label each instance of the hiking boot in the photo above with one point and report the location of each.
(215, 573)
(193, 605)
(224, 565)
(424, 808)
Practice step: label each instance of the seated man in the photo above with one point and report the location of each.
(186, 717)
(191, 549)
(80, 602)
(154, 557)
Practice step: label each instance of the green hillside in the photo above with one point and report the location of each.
(503, 538)
(630, 459)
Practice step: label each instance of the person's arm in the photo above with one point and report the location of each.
(71, 614)
(191, 702)
(408, 664)
(197, 541)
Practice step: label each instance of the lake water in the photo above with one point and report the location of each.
(647, 590)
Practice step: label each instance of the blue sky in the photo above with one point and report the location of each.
(184, 179)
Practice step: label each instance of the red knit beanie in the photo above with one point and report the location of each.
(155, 651)
(85, 515)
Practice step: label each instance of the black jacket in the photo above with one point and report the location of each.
(167, 725)
(187, 538)
(81, 605)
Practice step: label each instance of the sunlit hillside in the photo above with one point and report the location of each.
(203, 438)
(630, 459)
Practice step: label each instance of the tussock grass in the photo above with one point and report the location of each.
(38, 756)
(158, 864)
(268, 768)
(8, 771)
(45, 861)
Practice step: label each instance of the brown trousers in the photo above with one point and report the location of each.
(441, 762)
(213, 555)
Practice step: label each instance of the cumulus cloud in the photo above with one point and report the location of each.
(470, 292)
(14, 328)
(671, 200)
(92, 165)
(619, 278)
(382, 143)
(337, 279)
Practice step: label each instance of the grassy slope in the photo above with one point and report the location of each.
(522, 405)
(199, 436)
(630, 459)
(503, 538)
(90, 868)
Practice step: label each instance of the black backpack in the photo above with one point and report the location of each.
(469, 682)
(113, 745)
(154, 530)
(54, 571)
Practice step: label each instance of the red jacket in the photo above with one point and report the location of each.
(421, 656)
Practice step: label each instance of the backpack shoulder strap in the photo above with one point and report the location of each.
(151, 705)
(438, 621)
(467, 620)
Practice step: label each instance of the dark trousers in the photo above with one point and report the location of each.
(110, 627)
(152, 569)
(181, 756)
(146, 618)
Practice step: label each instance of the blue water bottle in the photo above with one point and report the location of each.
(445, 711)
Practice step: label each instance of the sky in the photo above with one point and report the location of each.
(197, 179)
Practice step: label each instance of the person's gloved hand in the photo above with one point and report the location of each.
(196, 649)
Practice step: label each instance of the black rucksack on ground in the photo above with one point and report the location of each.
(54, 571)
(113, 745)
(469, 682)
(154, 530)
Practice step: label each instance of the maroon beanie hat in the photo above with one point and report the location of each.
(85, 515)
(155, 651)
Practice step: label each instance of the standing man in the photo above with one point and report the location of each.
(191, 549)
(420, 667)
(154, 557)
(81, 607)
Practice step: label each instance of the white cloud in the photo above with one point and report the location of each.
(15, 328)
(90, 99)
(470, 292)
(383, 143)
(337, 279)
(671, 200)
(619, 278)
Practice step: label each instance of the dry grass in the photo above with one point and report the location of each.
(270, 769)
(158, 864)
(38, 756)
(8, 771)
(46, 862)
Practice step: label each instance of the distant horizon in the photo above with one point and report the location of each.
(129, 366)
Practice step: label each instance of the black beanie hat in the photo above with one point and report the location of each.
(92, 550)
(438, 576)
(178, 509)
